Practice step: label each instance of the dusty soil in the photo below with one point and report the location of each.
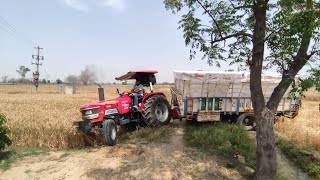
(138, 160)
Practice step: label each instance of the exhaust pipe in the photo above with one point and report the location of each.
(100, 92)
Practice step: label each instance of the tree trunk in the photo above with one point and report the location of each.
(265, 154)
(288, 75)
(264, 114)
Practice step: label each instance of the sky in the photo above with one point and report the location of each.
(113, 36)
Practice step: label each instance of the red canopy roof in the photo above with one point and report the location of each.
(146, 71)
(132, 74)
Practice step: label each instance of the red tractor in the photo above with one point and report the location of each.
(106, 115)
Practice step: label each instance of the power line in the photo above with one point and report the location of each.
(11, 35)
(15, 31)
(17, 35)
(11, 27)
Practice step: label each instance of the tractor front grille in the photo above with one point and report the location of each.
(90, 113)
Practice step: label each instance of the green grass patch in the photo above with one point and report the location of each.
(306, 162)
(65, 154)
(71, 150)
(221, 138)
(279, 177)
(148, 133)
(12, 154)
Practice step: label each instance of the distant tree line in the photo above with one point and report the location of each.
(6, 79)
(87, 76)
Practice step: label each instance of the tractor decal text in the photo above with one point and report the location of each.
(111, 102)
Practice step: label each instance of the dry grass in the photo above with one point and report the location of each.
(45, 119)
(304, 129)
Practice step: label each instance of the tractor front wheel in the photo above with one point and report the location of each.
(157, 111)
(109, 132)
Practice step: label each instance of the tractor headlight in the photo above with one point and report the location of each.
(91, 116)
(88, 112)
(111, 111)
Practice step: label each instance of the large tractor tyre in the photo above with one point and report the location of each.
(157, 111)
(109, 132)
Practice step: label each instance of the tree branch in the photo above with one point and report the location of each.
(313, 53)
(212, 17)
(232, 4)
(282, 66)
(232, 35)
(269, 35)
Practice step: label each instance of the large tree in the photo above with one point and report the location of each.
(239, 31)
(22, 71)
(4, 79)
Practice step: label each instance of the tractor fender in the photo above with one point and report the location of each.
(147, 96)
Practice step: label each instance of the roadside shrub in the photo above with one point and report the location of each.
(221, 138)
(4, 139)
(150, 134)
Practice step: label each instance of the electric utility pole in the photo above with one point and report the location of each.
(37, 63)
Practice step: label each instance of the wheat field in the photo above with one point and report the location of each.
(45, 119)
(304, 129)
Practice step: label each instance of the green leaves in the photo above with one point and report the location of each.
(174, 5)
(207, 25)
(306, 83)
(314, 79)
(4, 139)
(292, 28)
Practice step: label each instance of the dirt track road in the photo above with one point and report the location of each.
(287, 169)
(169, 160)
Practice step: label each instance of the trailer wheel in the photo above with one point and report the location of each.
(157, 111)
(109, 132)
(246, 119)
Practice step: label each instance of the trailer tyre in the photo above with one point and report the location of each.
(246, 119)
(109, 132)
(157, 111)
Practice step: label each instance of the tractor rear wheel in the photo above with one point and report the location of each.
(157, 111)
(109, 132)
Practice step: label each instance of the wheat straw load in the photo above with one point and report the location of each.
(207, 95)
(222, 84)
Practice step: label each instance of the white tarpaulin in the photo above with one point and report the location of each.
(222, 84)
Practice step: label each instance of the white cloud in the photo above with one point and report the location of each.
(80, 5)
(118, 5)
(87, 5)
